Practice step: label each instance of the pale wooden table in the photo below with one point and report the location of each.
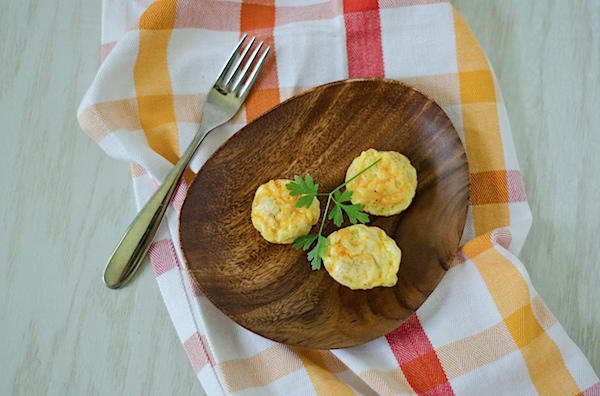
(64, 203)
(546, 55)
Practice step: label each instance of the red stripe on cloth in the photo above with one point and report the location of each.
(516, 190)
(105, 50)
(209, 15)
(459, 259)
(198, 352)
(594, 390)
(494, 187)
(163, 256)
(196, 292)
(179, 195)
(418, 360)
(502, 237)
(363, 38)
(360, 6)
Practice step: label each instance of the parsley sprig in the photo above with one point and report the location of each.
(309, 191)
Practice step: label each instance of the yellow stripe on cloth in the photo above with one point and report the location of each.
(153, 81)
(510, 292)
(321, 366)
(483, 138)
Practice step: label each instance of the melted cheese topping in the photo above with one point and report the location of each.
(362, 257)
(275, 215)
(386, 189)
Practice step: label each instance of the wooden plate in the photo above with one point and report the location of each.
(271, 289)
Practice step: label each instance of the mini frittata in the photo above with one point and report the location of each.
(275, 215)
(362, 257)
(386, 189)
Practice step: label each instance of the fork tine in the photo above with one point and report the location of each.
(230, 61)
(242, 74)
(238, 63)
(252, 78)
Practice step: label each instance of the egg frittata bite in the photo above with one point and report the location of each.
(362, 257)
(387, 188)
(275, 215)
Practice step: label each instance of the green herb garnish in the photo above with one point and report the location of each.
(309, 191)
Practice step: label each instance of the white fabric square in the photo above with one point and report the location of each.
(521, 213)
(196, 57)
(460, 302)
(237, 343)
(144, 187)
(508, 146)
(132, 146)
(455, 114)
(211, 143)
(507, 376)
(211, 380)
(426, 46)
(324, 40)
(114, 80)
(469, 230)
(180, 313)
(118, 16)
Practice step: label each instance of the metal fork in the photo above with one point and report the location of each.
(222, 103)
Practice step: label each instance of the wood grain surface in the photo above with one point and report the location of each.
(271, 289)
(64, 204)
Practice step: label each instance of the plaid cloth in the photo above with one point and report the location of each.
(483, 327)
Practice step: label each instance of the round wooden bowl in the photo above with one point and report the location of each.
(270, 289)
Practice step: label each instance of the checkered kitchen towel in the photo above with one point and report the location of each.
(484, 327)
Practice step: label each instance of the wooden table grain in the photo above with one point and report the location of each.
(64, 203)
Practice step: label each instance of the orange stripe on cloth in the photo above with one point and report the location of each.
(258, 19)
(257, 16)
(153, 82)
(467, 354)
(259, 370)
(443, 88)
(260, 101)
(489, 187)
(321, 366)
(493, 343)
(101, 119)
(510, 293)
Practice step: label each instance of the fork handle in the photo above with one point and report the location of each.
(132, 248)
